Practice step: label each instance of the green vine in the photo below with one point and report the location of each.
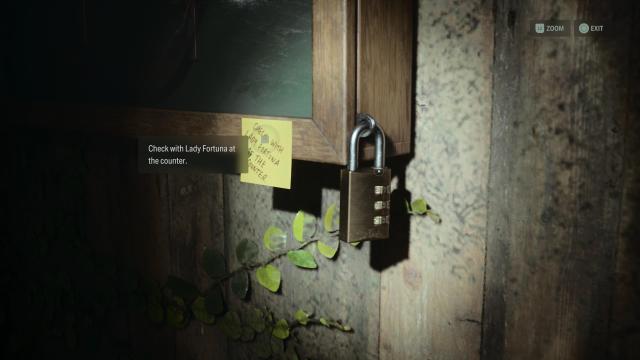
(422, 208)
(254, 266)
(178, 301)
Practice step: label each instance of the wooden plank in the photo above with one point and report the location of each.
(385, 59)
(347, 288)
(334, 75)
(127, 218)
(158, 225)
(308, 142)
(196, 223)
(147, 249)
(555, 183)
(625, 316)
(45, 239)
(431, 298)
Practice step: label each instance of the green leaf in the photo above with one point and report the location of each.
(182, 288)
(325, 322)
(303, 225)
(214, 301)
(328, 219)
(302, 258)
(269, 277)
(281, 329)
(326, 250)
(255, 319)
(419, 206)
(230, 325)
(298, 226)
(175, 316)
(247, 334)
(200, 311)
(246, 252)
(213, 263)
(274, 238)
(240, 284)
(302, 317)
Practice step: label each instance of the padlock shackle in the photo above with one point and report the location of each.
(366, 124)
(354, 144)
(368, 120)
(381, 148)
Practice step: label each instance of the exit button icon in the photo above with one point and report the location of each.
(585, 28)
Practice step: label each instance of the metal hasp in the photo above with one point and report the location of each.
(365, 193)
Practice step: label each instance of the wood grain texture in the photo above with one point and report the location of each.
(347, 288)
(385, 69)
(334, 72)
(625, 316)
(431, 302)
(555, 183)
(46, 245)
(308, 142)
(158, 225)
(196, 223)
(127, 217)
(549, 126)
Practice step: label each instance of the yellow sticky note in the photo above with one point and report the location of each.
(270, 143)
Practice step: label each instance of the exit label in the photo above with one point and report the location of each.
(587, 28)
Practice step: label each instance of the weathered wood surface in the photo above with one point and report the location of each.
(431, 302)
(128, 218)
(334, 73)
(309, 143)
(385, 69)
(555, 182)
(196, 223)
(158, 225)
(625, 316)
(41, 241)
(555, 143)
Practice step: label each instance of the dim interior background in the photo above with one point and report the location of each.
(528, 148)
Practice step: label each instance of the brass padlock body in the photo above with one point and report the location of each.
(364, 204)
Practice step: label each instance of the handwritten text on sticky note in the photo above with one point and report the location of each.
(270, 143)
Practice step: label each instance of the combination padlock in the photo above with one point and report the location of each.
(365, 193)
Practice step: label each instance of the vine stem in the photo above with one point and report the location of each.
(273, 258)
(310, 322)
(316, 322)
